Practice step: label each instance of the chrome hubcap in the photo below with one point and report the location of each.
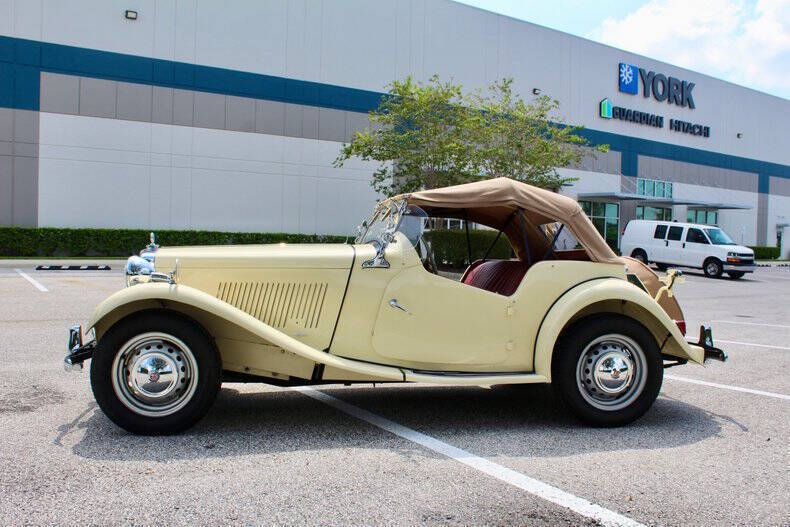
(712, 268)
(611, 372)
(154, 374)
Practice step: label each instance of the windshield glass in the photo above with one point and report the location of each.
(719, 237)
(384, 219)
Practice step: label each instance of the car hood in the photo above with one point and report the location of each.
(737, 248)
(272, 256)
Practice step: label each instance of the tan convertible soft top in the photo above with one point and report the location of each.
(501, 203)
(493, 202)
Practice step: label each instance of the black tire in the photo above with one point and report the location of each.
(571, 376)
(192, 377)
(639, 254)
(735, 274)
(662, 267)
(712, 268)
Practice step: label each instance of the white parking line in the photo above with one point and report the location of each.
(751, 344)
(517, 479)
(32, 280)
(750, 323)
(728, 387)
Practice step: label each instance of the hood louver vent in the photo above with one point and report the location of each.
(277, 303)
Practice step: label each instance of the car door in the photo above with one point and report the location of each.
(673, 246)
(431, 322)
(656, 243)
(696, 247)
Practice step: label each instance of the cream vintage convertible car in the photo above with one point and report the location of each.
(599, 327)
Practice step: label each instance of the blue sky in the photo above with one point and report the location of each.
(742, 41)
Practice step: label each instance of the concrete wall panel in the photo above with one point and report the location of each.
(269, 117)
(209, 110)
(134, 102)
(60, 93)
(162, 105)
(240, 114)
(98, 97)
(6, 190)
(198, 178)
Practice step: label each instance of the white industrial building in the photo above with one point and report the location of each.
(200, 114)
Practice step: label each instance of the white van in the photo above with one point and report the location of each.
(668, 243)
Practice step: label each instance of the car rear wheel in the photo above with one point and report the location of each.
(608, 370)
(735, 274)
(712, 268)
(155, 373)
(640, 255)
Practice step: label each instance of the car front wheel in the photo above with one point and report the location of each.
(155, 373)
(608, 370)
(712, 268)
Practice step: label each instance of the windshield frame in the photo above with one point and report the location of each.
(383, 223)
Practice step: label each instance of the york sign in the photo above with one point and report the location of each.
(661, 87)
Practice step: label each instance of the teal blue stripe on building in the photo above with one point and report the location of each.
(22, 61)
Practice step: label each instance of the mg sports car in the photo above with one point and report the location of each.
(561, 307)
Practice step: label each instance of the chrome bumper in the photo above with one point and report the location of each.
(746, 268)
(706, 343)
(77, 352)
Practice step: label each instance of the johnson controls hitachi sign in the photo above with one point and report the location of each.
(661, 87)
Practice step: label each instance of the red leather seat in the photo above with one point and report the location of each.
(497, 276)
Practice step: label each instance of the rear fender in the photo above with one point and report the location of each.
(610, 295)
(220, 317)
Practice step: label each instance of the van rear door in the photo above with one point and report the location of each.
(673, 246)
(656, 243)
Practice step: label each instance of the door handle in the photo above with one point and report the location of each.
(684, 245)
(666, 243)
(394, 304)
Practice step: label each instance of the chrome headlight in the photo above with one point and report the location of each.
(137, 266)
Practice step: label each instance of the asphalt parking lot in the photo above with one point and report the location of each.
(713, 450)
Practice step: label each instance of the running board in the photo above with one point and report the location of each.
(472, 378)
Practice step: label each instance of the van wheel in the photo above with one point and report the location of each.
(640, 255)
(712, 268)
(735, 274)
(155, 373)
(608, 370)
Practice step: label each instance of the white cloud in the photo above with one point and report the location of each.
(744, 42)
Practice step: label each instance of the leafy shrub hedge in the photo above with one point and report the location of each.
(450, 247)
(765, 253)
(33, 242)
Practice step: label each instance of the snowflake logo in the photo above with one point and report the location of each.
(628, 83)
(626, 74)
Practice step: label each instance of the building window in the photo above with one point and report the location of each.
(653, 188)
(605, 217)
(654, 213)
(704, 216)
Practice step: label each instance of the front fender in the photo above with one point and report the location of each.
(610, 295)
(187, 299)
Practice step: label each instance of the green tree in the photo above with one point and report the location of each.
(429, 135)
